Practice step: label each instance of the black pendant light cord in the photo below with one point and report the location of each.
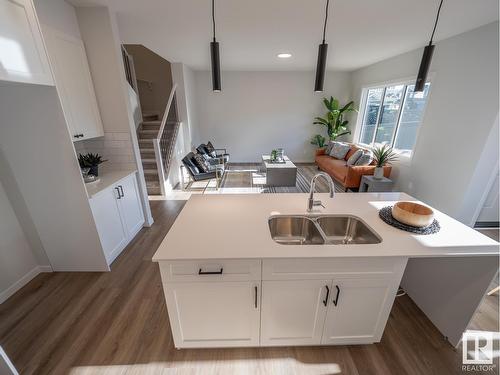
(435, 23)
(326, 19)
(213, 17)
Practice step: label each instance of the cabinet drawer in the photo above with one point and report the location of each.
(313, 269)
(210, 270)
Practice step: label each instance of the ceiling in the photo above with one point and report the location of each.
(252, 33)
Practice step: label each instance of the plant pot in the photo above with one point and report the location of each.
(378, 174)
(94, 170)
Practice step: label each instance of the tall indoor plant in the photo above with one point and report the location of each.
(333, 120)
(382, 155)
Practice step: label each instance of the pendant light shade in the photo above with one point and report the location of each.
(322, 55)
(425, 63)
(321, 67)
(215, 57)
(214, 53)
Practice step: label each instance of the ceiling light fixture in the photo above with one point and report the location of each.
(322, 54)
(214, 53)
(426, 58)
(284, 55)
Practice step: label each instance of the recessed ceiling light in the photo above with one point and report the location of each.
(284, 55)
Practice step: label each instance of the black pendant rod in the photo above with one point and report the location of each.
(326, 19)
(322, 55)
(436, 22)
(215, 57)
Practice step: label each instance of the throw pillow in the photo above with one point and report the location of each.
(339, 150)
(365, 159)
(329, 148)
(354, 157)
(200, 163)
(210, 147)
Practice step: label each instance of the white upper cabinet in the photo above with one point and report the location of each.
(74, 84)
(22, 52)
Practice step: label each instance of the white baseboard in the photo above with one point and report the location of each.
(4, 295)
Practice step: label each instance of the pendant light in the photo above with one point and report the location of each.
(322, 54)
(426, 58)
(214, 53)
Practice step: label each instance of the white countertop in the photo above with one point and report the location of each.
(106, 179)
(235, 226)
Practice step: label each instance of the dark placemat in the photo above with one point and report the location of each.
(386, 215)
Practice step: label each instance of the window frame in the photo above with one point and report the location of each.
(384, 85)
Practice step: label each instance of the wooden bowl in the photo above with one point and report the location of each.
(414, 214)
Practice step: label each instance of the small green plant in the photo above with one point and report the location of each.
(384, 155)
(90, 160)
(334, 118)
(318, 140)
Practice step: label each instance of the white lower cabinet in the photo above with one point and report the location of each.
(218, 303)
(118, 215)
(357, 311)
(293, 312)
(214, 314)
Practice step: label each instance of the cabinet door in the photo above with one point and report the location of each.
(130, 206)
(108, 222)
(214, 314)
(361, 310)
(293, 312)
(22, 52)
(74, 84)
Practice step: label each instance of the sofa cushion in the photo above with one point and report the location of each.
(354, 157)
(334, 167)
(328, 147)
(200, 162)
(365, 159)
(339, 150)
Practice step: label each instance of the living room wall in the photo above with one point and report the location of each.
(460, 115)
(260, 111)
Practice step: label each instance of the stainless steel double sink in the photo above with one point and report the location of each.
(321, 230)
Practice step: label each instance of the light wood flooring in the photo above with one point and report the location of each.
(117, 323)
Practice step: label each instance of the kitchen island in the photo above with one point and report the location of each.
(228, 283)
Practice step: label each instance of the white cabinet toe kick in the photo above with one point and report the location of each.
(278, 302)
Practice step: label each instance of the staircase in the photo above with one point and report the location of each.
(147, 132)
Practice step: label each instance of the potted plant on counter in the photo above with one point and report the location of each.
(91, 161)
(382, 155)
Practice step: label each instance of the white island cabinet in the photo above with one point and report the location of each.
(118, 215)
(22, 52)
(230, 284)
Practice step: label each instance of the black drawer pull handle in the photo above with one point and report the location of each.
(256, 293)
(200, 272)
(325, 302)
(121, 190)
(118, 191)
(336, 300)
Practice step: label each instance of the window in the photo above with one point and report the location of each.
(392, 115)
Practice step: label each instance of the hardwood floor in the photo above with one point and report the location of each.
(116, 323)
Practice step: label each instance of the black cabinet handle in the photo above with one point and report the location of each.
(200, 272)
(336, 300)
(325, 302)
(256, 293)
(81, 135)
(118, 191)
(121, 189)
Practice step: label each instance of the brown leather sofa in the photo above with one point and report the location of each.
(348, 176)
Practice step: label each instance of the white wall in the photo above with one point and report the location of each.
(260, 111)
(183, 77)
(460, 114)
(16, 257)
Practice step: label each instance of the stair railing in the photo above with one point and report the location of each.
(164, 145)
